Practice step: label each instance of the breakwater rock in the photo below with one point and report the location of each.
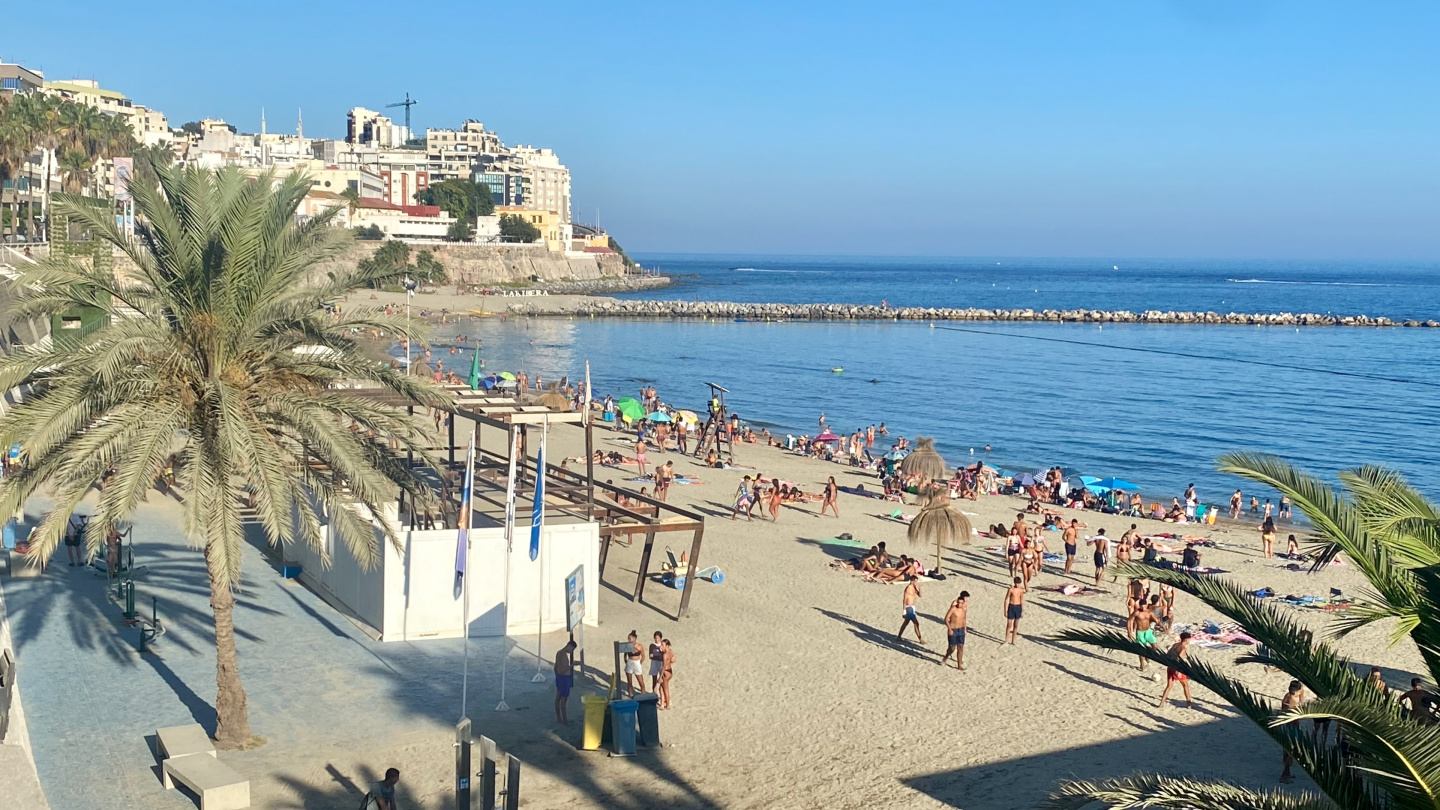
(606, 284)
(606, 307)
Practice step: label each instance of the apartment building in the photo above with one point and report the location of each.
(453, 153)
(16, 79)
(151, 126)
(370, 128)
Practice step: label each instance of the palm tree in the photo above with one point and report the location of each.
(352, 202)
(232, 365)
(75, 166)
(1392, 534)
(939, 523)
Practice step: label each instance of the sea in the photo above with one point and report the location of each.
(1155, 404)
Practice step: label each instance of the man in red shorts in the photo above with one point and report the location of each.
(1179, 650)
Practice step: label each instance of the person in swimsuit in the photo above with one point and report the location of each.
(1292, 547)
(1166, 599)
(955, 628)
(1019, 530)
(663, 475)
(564, 680)
(742, 500)
(1139, 626)
(776, 496)
(1293, 699)
(1172, 676)
(1028, 555)
(1070, 537)
(1419, 702)
(1235, 501)
(1285, 507)
(1102, 548)
(1267, 536)
(634, 675)
(832, 494)
(640, 455)
(667, 674)
(1014, 609)
(912, 593)
(1122, 554)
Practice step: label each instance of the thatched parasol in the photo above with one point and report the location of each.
(939, 523)
(553, 399)
(924, 461)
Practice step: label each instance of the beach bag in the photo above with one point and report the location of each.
(369, 803)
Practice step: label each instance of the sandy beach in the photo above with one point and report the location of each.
(792, 691)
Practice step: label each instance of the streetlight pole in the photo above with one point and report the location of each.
(409, 293)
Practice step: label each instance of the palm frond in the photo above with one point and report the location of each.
(1160, 792)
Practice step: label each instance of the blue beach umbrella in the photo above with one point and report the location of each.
(659, 417)
(1107, 484)
(1025, 480)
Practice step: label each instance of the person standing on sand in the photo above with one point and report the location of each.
(634, 675)
(832, 495)
(1102, 549)
(640, 455)
(657, 662)
(955, 628)
(742, 500)
(1235, 501)
(1267, 536)
(667, 675)
(1070, 537)
(1014, 609)
(564, 681)
(1285, 507)
(775, 499)
(912, 593)
(1293, 699)
(1139, 627)
(1180, 650)
(682, 431)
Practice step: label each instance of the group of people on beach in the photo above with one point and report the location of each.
(657, 661)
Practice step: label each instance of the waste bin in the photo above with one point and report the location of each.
(622, 716)
(649, 716)
(594, 733)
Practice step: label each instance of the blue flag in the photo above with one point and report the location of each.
(537, 517)
(462, 542)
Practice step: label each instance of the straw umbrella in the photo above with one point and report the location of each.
(925, 462)
(553, 399)
(939, 523)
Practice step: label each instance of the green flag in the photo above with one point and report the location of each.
(475, 371)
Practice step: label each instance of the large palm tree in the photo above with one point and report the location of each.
(1392, 534)
(216, 349)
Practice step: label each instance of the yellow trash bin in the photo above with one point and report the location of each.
(595, 716)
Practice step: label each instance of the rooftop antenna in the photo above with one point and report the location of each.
(300, 124)
(407, 104)
(262, 122)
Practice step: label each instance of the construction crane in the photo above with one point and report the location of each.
(407, 104)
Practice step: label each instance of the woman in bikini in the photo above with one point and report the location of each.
(1267, 536)
(667, 674)
(832, 492)
(776, 496)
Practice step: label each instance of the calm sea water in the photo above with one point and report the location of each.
(1156, 419)
(1344, 288)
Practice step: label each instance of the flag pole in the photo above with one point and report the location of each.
(537, 530)
(462, 567)
(502, 706)
(589, 448)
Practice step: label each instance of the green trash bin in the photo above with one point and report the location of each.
(594, 732)
(648, 716)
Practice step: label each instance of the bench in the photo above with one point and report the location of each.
(179, 741)
(218, 787)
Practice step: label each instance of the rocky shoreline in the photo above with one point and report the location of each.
(604, 284)
(613, 308)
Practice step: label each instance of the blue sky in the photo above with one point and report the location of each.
(1214, 128)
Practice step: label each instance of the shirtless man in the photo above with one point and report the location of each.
(640, 455)
(564, 681)
(1019, 530)
(1420, 703)
(1014, 609)
(1139, 627)
(1235, 501)
(1102, 552)
(912, 592)
(1070, 537)
(1292, 700)
(1179, 650)
(955, 627)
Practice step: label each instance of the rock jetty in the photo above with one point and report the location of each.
(711, 310)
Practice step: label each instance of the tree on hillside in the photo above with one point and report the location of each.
(1390, 761)
(191, 128)
(388, 264)
(460, 231)
(232, 366)
(428, 269)
(461, 199)
(516, 229)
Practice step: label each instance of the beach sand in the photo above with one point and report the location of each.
(791, 690)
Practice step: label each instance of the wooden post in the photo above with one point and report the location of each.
(450, 417)
(689, 573)
(589, 466)
(512, 784)
(604, 552)
(462, 764)
(644, 566)
(487, 774)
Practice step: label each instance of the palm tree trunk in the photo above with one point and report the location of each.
(232, 729)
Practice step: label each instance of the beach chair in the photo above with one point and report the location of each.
(1200, 513)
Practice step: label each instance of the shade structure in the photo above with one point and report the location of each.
(925, 461)
(939, 523)
(505, 375)
(827, 436)
(1107, 484)
(474, 378)
(659, 417)
(630, 408)
(1024, 480)
(689, 416)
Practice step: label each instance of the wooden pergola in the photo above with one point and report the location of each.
(569, 495)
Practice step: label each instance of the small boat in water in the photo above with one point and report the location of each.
(837, 369)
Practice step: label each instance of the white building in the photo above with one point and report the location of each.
(370, 128)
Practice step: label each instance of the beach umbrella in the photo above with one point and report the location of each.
(689, 416)
(939, 523)
(659, 417)
(630, 408)
(924, 461)
(503, 383)
(1024, 480)
(896, 455)
(827, 436)
(1107, 484)
(474, 379)
(505, 375)
(553, 399)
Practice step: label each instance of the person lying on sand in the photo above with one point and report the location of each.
(907, 568)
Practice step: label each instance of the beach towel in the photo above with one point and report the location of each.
(847, 542)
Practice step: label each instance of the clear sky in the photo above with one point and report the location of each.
(1221, 128)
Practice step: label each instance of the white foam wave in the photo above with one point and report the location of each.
(764, 270)
(1313, 283)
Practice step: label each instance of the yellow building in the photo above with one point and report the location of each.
(554, 231)
(150, 125)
